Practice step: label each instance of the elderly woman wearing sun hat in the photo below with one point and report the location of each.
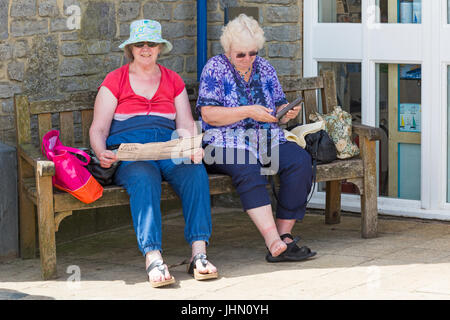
(144, 102)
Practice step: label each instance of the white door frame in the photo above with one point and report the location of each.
(370, 43)
(444, 62)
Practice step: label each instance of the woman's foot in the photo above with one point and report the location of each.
(157, 271)
(263, 219)
(277, 247)
(202, 268)
(284, 228)
(209, 268)
(293, 251)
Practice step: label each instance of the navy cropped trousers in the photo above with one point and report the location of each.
(250, 180)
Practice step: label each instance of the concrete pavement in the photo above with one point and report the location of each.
(410, 259)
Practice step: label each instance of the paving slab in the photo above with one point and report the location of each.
(410, 259)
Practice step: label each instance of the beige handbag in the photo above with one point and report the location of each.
(338, 125)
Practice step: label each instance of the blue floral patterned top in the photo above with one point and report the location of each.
(222, 85)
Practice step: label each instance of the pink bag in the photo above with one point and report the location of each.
(71, 174)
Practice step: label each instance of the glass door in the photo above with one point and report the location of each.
(399, 116)
(401, 47)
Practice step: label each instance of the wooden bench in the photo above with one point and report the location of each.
(37, 195)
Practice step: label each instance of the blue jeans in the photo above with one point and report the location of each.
(142, 180)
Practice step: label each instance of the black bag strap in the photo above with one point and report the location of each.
(313, 154)
(275, 194)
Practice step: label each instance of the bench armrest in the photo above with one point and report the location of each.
(371, 133)
(33, 156)
(45, 168)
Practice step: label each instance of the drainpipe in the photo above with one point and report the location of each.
(202, 44)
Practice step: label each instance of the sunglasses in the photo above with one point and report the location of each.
(241, 55)
(149, 44)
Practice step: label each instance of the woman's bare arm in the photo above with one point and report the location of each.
(105, 105)
(185, 123)
(222, 116)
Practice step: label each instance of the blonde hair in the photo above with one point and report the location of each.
(242, 29)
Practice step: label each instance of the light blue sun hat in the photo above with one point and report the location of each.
(147, 30)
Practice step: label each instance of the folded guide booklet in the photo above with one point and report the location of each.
(172, 149)
(298, 133)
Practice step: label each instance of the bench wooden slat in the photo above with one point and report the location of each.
(115, 195)
(310, 103)
(340, 170)
(45, 125)
(329, 97)
(74, 102)
(219, 184)
(66, 128)
(23, 120)
(300, 84)
(86, 120)
(40, 107)
(112, 196)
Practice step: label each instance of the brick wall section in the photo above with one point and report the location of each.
(41, 56)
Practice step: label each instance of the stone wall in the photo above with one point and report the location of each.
(49, 48)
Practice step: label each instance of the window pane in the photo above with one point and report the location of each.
(348, 85)
(448, 11)
(331, 11)
(400, 11)
(409, 171)
(398, 104)
(348, 91)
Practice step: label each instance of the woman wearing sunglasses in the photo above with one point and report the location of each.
(239, 95)
(144, 102)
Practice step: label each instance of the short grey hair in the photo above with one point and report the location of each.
(242, 29)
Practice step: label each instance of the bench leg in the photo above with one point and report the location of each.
(369, 208)
(46, 222)
(333, 202)
(27, 216)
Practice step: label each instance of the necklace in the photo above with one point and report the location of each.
(243, 74)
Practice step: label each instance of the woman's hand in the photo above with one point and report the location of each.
(197, 156)
(107, 158)
(261, 113)
(291, 114)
